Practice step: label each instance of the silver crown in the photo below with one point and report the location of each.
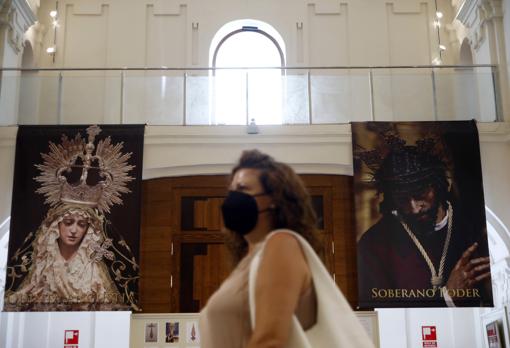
(112, 166)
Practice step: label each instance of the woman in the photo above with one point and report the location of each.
(65, 264)
(266, 196)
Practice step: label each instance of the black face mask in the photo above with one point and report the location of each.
(240, 212)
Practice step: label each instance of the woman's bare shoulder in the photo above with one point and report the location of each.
(283, 242)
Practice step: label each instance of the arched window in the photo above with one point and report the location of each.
(241, 95)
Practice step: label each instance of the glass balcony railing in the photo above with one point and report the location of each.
(235, 96)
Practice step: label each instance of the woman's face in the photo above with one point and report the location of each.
(72, 229)
(246, 180)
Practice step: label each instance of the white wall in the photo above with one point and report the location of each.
(9, 89)
(506, 24)
(402, 328)
(495, 154)
(46, 330)
(115, 33)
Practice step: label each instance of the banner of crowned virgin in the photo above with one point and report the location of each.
(420, 215)
(75, 219)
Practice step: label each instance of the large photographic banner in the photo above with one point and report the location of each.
(420, 215)
(75, 219)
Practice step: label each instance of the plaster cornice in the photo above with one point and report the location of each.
(494, 132)
(8, 136)
(17, 16)
(155, 135)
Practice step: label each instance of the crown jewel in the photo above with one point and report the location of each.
(107, 159)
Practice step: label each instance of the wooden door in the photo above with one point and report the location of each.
(201, 259)
(183, 256)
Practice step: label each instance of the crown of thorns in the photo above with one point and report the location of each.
(396, 165)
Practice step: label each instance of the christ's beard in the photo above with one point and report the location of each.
(424, 223)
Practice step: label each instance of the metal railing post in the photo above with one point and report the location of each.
(184, 91)
(371, 85)
(497, 99)
(59, 98)
(247, 99)
(122, 96)
(309, 90)
(434, 93)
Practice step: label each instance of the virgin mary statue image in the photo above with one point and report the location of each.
(71, 262)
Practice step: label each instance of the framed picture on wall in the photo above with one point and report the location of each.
(493, 336)
(495, 329)
(151, 332)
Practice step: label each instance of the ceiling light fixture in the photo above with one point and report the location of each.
(54, 16)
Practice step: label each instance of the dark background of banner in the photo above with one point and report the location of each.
(28, 207)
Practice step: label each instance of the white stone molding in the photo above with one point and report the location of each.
(326, 7)
(4, 229)
(474, 14)
(88, 9)
(494, 132)
(406, 7)
(471, 16)
(168, 8)
(466, 12)
(39, 31)
(34, 5)
(453, 35)
(500, 274)
(4, 244)
(491, 9)
(8, 136)
(16, 17)
(484, 20)
(176, 151)
(499, 247)
(35, 35)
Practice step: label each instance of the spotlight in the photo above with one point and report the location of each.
(252, 127)
(53, 14)
(442, 47)
(51, 50)
(439, 14)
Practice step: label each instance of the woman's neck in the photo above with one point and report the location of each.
(262, 229)
(66, 251)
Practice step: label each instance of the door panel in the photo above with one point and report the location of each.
(184, 259)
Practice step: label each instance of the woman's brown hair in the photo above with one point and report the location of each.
(293, 206)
